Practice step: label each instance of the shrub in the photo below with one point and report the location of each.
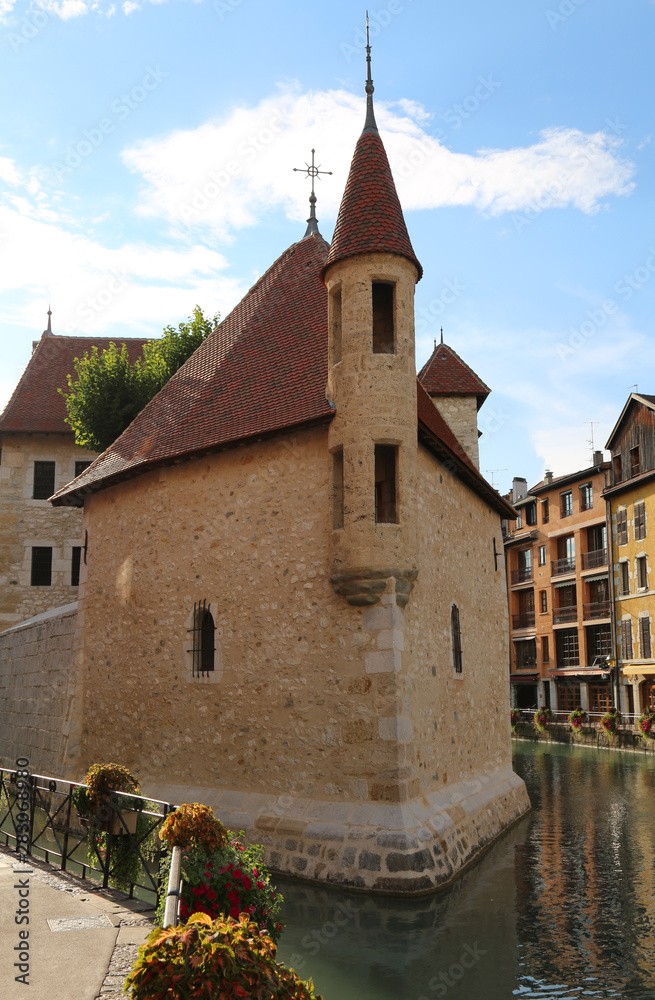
(226, 958)
(611, 720)
(542, 717)
(230, 881)
(194, 826)
(514, 717)
(577, 719)
(103, 779)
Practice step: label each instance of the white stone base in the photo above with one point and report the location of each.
(418, 846)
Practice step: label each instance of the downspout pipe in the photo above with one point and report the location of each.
(610, 546)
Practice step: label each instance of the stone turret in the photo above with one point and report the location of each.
(370, 275)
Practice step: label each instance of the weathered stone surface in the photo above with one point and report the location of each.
(419, 861)
(370, 861)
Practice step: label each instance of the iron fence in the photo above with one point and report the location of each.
(113, 837)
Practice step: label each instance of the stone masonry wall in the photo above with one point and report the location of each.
(461, 415)
(40, 715)
(25, 522)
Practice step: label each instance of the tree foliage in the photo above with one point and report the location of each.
(107, 391)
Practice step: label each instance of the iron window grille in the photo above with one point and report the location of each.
(203, 638)
(457, 639)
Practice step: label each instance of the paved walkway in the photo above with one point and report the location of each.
(82, 942)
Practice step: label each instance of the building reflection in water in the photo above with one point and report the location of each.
(562, 907)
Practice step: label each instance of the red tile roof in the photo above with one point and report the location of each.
(36, 406)
(445, 374)
(263, 369)
(435, 433)
(370, 218)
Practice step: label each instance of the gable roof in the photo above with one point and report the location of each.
(436, 435)
(445, 374)
(370, 218)
(262, 370)
(36, 406)
(634, 397)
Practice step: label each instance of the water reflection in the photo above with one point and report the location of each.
(562, 907)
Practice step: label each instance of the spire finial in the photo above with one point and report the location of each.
(49, 329)
(312, 171)
(370, 123)
(441, 336)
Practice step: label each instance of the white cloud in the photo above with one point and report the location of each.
(225, 173)
(8, 171)
(68, 9)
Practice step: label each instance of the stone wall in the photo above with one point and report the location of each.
(25, 522)
(40, 715)
(461, 415)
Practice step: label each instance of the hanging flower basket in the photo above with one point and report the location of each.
(577, 719)
(99, 807)
(542, 718)
(646, 724)
(611, 721)
(515, 717)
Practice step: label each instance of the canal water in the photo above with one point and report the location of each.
(561, 908)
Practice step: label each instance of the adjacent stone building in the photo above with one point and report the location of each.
(293, 606)
(41, 548)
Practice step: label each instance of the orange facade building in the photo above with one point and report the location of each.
(558, 592)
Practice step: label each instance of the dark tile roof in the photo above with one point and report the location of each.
(36, 406)
(445, 374)
(263, 369)
(370, 218)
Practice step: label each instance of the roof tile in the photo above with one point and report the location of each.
(445, 374)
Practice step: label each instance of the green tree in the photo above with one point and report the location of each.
(107, 391)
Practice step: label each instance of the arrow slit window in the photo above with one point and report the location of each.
(383, 318)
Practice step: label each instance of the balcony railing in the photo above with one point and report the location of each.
(525, 619)
(522, 575)
(592, 560)
(561, 566)
(569, 614)
(598, 609)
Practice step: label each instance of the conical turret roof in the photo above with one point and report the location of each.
(445, 374)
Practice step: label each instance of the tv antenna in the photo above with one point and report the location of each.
(590, 440)
(491, 472)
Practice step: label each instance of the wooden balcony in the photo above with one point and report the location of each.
(561, 615)
(599, 609)
(524, 619)
(592, 560)
(560, 567)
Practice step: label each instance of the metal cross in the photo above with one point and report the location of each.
(312, 171)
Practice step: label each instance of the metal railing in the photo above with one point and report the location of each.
(592, 560)
(598, 609)
(56, 831)
(525, 619)
(593, 720)
(569, 614)
(522, 575)
(561, 566)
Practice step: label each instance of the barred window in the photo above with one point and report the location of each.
(622, 526)
(626, 639)
(640, 520)
(456, 639)
(203, 632)
(644, 638)
(568, 651)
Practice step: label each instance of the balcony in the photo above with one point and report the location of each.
(599, 609)
(559, 567)
(525, 619)
(592, 560)
(522, 575)
(561, 615)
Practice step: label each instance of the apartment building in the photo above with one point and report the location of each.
(558, 592)
(630, 500)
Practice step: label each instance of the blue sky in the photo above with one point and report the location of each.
(146, 156)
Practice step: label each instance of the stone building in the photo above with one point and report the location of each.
(559, 596)
(41, 548)
(630, 500)
(294, 603)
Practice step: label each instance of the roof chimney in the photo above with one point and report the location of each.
(548, 477)
(598, 458)
(519, 488)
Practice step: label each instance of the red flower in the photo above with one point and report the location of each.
(234, 912)
(247, 884)
(211, 895)
(260, 885)
(238, 873)
(209, 864)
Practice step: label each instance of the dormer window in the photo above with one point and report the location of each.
(383, 317)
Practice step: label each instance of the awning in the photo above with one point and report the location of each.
(524, 678)
(596, 578)
(647, 669)
(581, 672)
(565, 583)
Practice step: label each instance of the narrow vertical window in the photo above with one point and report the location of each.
(617, 468)
(644, 638)
(44, 480)
(203, 649)
(626, 639)
(545, 511)
(456, 634)
(642, 573)
(383, 320)
(622, 526)
(640, 519)
(41, 567)
(635, 466)
(386, 460)
(544, 602)
(624, 581)
(335, 322)
(337, 489)
(544, 649)
(75, 565)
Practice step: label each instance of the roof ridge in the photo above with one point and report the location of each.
(458, 379)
